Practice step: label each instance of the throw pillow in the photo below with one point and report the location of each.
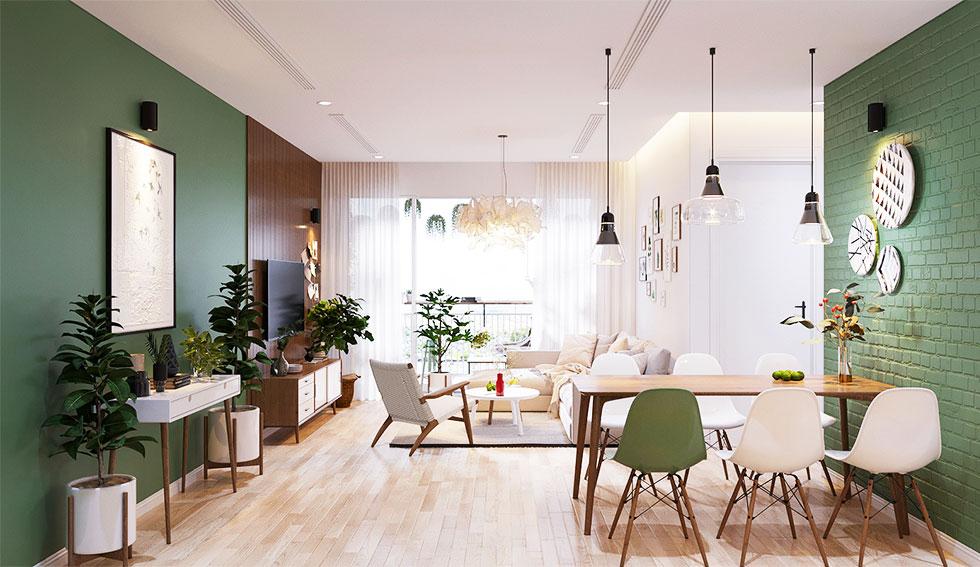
(620, 344)
(639, 357)
(635, 343)
(603, 343)
(577, 349)
(658, 360)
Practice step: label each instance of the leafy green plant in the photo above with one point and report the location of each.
(337, 323)
(236, 320)
(481, 339)
(202, 351)
(436, 224)
(96, 414)
(408, 207)
(152, 349)
(441, 327)
(457, 211)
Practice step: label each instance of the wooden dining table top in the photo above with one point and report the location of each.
(726, 385)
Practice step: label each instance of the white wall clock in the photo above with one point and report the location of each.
(893, 185)
(889, 270)
(862, 245)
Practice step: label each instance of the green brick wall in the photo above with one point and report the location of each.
(929, 334)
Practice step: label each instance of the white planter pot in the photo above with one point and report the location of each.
(98, 514)
(438, 380)
(248, 433)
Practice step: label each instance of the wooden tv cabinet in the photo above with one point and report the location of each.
(292, 400)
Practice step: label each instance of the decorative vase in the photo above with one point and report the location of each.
(160, 375)
(98, 513)
(281, 366)
(843, 363)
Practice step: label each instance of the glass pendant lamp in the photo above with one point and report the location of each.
(608, 251)
(713, 206)
(813, 229)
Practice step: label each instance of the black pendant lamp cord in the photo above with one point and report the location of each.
(812, 51)
(608, 54)
(711, 51)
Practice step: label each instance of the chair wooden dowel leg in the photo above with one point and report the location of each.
(384, 426)
(840, 502)
(812, 522)
(622, 502)
(748, 519)
(789, 510)
(925, 516)
(739, 485)
(867, 521)
(694, 523)
(425, 432)
(466, 418)
(826, 474)
(629, 524)
(724, 463)
(677, 503)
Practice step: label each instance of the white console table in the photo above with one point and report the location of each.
(170, 405)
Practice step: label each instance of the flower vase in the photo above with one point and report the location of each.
(843, 363)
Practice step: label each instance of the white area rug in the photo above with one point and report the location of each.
(540, 430)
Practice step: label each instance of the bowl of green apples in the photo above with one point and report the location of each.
(788, 375)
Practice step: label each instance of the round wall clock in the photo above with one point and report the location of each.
(862, 245)
(889, 270)
(893, 185)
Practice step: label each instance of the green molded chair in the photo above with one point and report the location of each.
(662, 435)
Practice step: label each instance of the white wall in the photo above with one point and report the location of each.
(464, 179)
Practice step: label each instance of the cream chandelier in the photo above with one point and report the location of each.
(499, 219)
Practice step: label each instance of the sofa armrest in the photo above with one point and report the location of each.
(530, 358)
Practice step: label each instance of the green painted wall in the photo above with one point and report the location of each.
(929, 334)
(65, 77)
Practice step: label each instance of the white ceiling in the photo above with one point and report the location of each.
(436, 81)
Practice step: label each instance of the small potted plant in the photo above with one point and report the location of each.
(337, 323)
(160, 369)
(202, 352)
(97, 419)
(441, 328)
(236, 321)
(842, 322)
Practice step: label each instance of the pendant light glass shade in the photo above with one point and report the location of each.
(713, 207)
(813, 229)
(608, 251)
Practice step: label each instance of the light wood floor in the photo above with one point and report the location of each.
(332, 500)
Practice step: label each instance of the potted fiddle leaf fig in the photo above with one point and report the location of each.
(441, 328)
(337, 323)
(236, 321)
(96, 419)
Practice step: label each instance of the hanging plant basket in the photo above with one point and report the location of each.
(436, 225)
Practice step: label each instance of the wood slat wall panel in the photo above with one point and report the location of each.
(283, 185)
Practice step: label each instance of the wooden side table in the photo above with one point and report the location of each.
(170, 405)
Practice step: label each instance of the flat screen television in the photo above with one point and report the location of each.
(284, 293)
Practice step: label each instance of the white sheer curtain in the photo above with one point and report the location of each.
(571, 295)
(359, 232)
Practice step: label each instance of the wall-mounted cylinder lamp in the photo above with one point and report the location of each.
(315, 215)
(876, 117)
(148, 115)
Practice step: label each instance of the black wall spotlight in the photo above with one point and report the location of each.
(315, 215)
(876, 117)
(148, 115)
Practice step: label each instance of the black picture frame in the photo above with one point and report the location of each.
(114, 299)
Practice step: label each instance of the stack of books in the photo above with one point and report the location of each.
(178, 381)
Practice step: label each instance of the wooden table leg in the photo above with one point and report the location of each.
(231, 447)
(594, 457)
(183, 457)
(165, 451)
(490, 414)
(580, 442)
(845, 442)
(901, 510)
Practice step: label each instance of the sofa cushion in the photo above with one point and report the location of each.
(577, 349)
(639, 357)
(620, 344)
(603, 342)
(658, 360)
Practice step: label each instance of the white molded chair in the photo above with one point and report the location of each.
(403, 398)
(718, 413)
(613, 412)
(766, 365)
(782, 434)
(900, 434)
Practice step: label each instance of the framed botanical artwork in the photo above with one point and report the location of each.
(674, 258)
(141, 231)
(642, 268)
(675, 222)
(643, 237)
(658, 254)
(650, 289)
(655, 213)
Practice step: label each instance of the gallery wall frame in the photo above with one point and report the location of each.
(141, 233)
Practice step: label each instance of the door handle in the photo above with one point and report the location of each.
(802, 308)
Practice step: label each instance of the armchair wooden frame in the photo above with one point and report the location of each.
(428, 427)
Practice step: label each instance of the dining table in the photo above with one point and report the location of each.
(594, 391)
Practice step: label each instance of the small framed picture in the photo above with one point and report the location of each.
(652, 289)
(642, 268)
(643, 237)
(658, 254)
(649, 289)
(675, 222)
(655, 214)
(674, 258)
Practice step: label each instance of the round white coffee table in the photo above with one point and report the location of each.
(512, 394)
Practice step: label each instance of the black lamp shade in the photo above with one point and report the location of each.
(148, 115)
(607, 230)
(876, 117)
(315, 215)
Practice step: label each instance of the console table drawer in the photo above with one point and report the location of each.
(305, 393)
(305, 381)
(305, 409)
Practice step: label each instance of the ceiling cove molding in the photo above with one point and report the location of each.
(354, 133)
(645, 26)
(252, 28)
(591, 125)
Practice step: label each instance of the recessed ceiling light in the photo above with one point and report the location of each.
(324, 102)
(574, 156)
(603, 103)
(379, 156)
